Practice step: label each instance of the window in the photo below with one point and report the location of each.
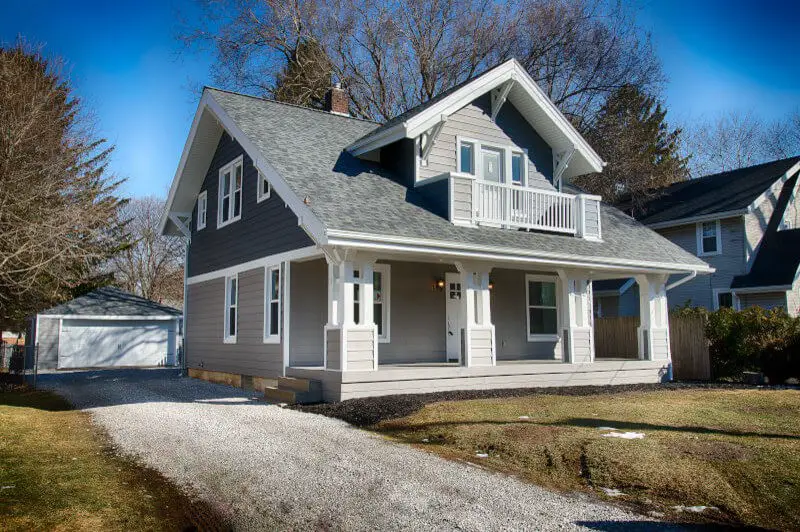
(231, 306)
(380, 300)
(542, 308)
(724, 299)
(356, 297)
(467, 158)
(272, 305)
(230, 192)
(492, 159)
(709, 241)
(518, 169)
(263, 188)
(202, 210)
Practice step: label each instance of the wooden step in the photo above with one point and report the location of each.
(279, 395)
(292, 383)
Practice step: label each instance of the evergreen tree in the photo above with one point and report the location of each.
(641, 151)
(306, 77)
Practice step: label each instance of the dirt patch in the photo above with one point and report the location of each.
(717, 451)
(370, 411)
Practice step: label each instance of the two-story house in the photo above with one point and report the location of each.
(745, 223)
(436, 251)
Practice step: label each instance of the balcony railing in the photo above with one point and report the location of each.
(480, 202)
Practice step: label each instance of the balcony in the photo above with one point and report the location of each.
(479, 202)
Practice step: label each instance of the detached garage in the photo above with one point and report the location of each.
(106, 328)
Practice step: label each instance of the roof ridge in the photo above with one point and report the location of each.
(287, 104)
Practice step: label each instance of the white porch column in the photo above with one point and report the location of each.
(577, 339)
(653, 329)
(479, 347)
(351, 342)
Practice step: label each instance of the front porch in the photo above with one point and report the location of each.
(436, 326)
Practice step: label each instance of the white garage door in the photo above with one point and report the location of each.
(109, 343)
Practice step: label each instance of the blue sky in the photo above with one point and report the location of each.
(717, 55)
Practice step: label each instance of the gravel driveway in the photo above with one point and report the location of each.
(273, 468)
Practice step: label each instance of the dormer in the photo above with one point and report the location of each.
(493, 151)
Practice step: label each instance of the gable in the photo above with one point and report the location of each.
(265, 228)
(509, 129)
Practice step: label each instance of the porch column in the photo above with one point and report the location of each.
(351, 341)
(653, 329)
(478, 338)
(577, 339)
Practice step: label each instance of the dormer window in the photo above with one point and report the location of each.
(467, 158)
(495, 163)
(518, 168)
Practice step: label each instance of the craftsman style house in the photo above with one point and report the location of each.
(745, 223)
(440, 250)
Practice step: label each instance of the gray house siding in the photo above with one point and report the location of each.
(766, 300)
(308, 312)
(728, 264)
(264, 229)
(474, 121)
(755, 224)
(205, 348)
(48, 342)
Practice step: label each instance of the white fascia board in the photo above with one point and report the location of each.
(182, 164)
(306, 219)
(775, 188)
(695, 219)
(393, 134)
(264, 262)
(473, 251)
(108, 317)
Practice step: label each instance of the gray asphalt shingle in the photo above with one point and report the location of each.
(110, 301)
(306, 147)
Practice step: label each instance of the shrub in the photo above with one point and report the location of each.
(751, 340)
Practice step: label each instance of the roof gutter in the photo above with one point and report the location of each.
(695, 219)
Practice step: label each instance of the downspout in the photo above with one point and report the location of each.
(680, 281)
(185, 302)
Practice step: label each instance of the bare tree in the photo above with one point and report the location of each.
(391, 55)
(781, 139)
(152, 264)
(57, 203)
(725, 142)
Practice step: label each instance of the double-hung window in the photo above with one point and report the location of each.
(202, 210)
(230, 192)
(231, 308)
(264, 189)
(272, 305)
(709, 238)
(542, 308)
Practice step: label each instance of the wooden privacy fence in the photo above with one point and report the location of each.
(617, 338)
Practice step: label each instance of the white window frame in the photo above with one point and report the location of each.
(477, 159)
(547, 279)
(226, 336)
(269, 336)
(386, 275)
(260, 194)
(699, 230)
(718, 291)
(230, 167)
(202, 214)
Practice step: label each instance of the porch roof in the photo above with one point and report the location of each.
(350, 195)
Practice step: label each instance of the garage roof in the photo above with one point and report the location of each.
(111, 302)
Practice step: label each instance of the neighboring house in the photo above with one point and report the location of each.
(105, 328)
(745, 223)
(433, 252)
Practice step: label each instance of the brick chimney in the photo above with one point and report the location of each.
(336, 101)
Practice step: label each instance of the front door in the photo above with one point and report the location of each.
(455, 317)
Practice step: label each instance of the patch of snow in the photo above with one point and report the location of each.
(482, 455)
(606, 428)
(425, 440)
(657, 515)
(625, 435)
(524, 417)
(612, 492)
(7, 487)
(694, 509)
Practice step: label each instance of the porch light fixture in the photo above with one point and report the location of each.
(438, 285)
(491, 284)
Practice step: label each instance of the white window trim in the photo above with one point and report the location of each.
(386, 307)
(268, 337)
(202, 220)
(542, 337)
(506, 149)
(230, 338)
(231, 166)
(699, 231)
(261, 196)
(718, 291)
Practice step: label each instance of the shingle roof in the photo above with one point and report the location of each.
(306, 148)
(718, 193)
(110, 301)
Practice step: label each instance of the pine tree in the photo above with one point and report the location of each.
(641, 151)
(306, 77)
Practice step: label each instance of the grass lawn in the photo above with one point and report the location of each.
(736, 450)
(58, 472)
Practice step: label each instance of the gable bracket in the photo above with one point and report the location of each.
(561, 160)
(428, 138)
(181, 221)
(499, 97)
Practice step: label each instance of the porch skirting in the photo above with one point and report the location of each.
(388, 380)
